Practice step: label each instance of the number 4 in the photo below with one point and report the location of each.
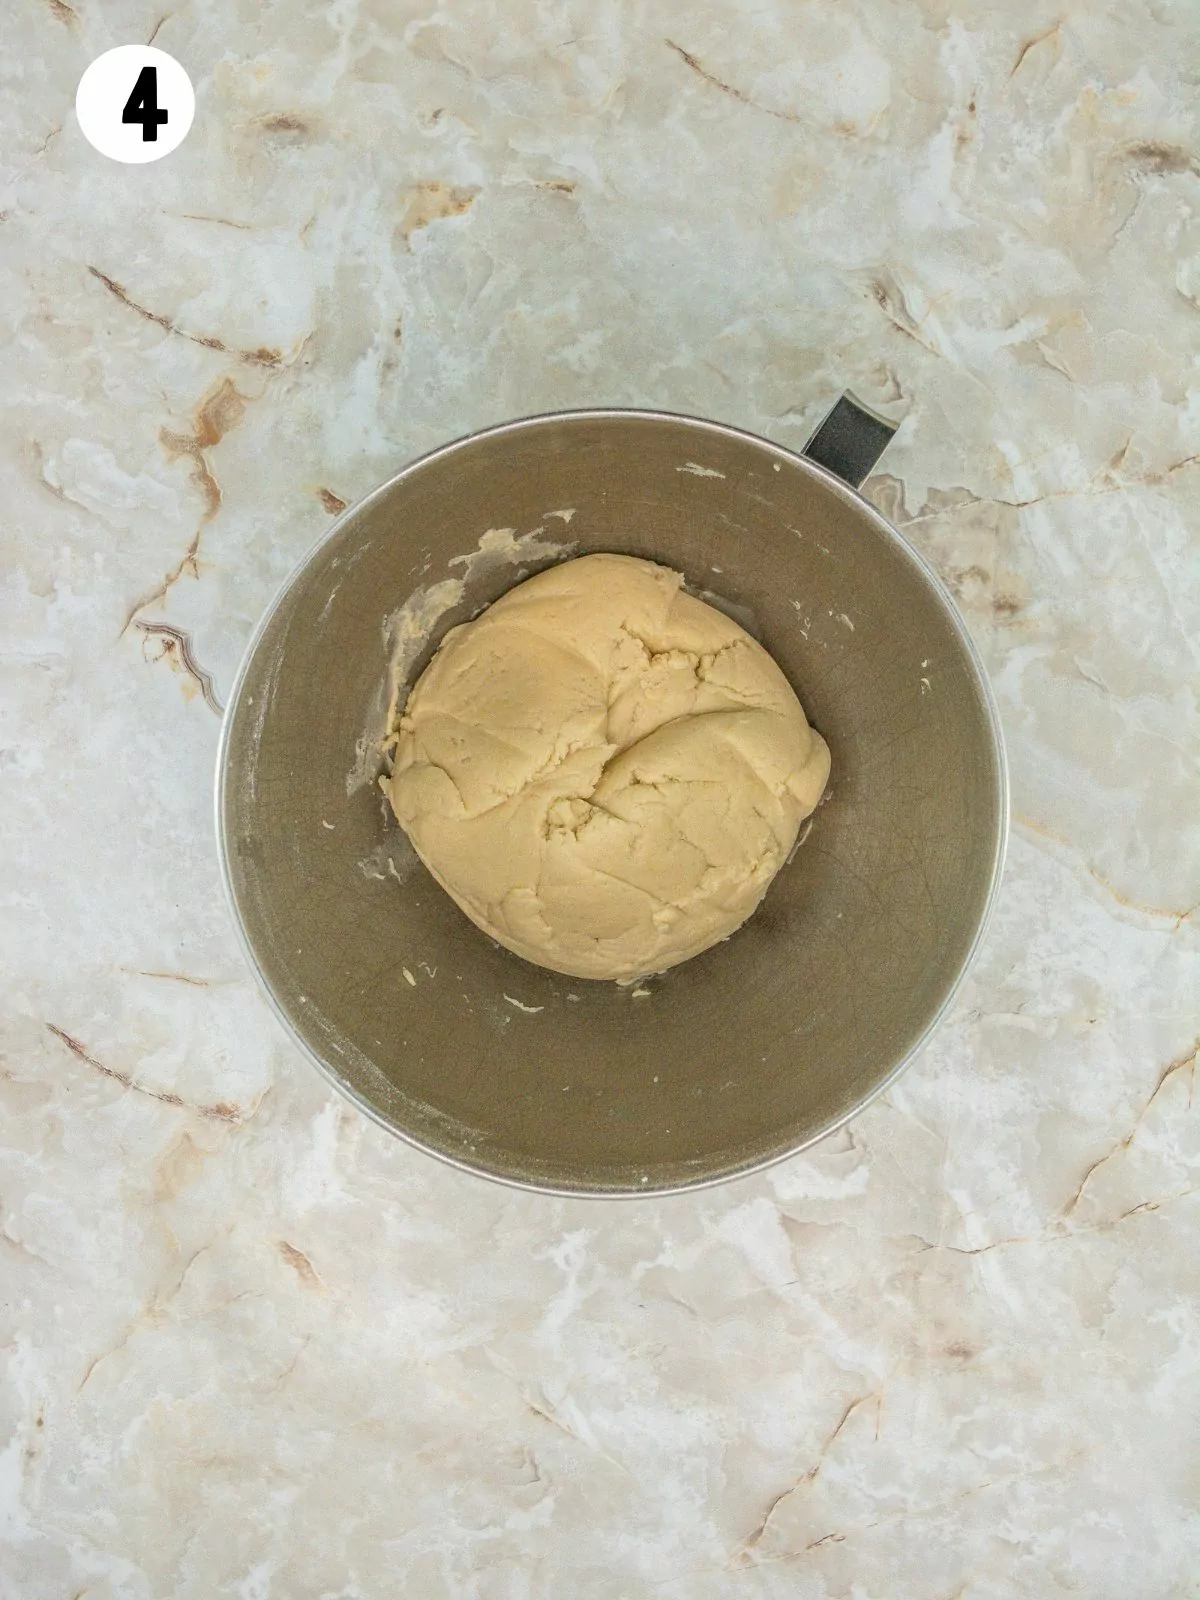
(142, 105)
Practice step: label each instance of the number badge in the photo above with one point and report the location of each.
(135, 103)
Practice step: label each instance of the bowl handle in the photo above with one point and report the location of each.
(850, 440)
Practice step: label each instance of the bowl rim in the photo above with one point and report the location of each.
(857, 502)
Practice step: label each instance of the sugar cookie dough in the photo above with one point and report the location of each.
(604, 772)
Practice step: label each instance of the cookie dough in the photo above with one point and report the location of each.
(604, 772)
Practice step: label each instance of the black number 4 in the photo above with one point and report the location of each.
(142, 105)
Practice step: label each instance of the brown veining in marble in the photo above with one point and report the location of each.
(255, 358)
(221, 1112)
(1052, 35)
(742, 1556)
(176, 647)
(300, 1264)
(1186, 1062)
(221, 410)
(730, 89)
(431, 201)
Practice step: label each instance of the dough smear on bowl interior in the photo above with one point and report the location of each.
(604, 772)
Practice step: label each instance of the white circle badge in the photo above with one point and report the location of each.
(135, 103)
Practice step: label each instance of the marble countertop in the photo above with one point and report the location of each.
(255, 1348)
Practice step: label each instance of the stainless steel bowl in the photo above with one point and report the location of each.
(741, 1056)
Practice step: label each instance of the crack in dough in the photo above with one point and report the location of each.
(602, 771)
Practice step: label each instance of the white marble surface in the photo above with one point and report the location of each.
(253, 1347)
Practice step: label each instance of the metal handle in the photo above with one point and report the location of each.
(850, 440)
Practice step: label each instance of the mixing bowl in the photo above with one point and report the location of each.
(744, 1054)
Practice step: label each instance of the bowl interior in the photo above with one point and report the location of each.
(734, 1058)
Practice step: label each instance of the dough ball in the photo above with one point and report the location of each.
(604, 772)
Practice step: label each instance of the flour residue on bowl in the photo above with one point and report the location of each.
(406, 632)
(519, 1005)
(505, 547)
(266, 699)
(393, 858)
(408, 629)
